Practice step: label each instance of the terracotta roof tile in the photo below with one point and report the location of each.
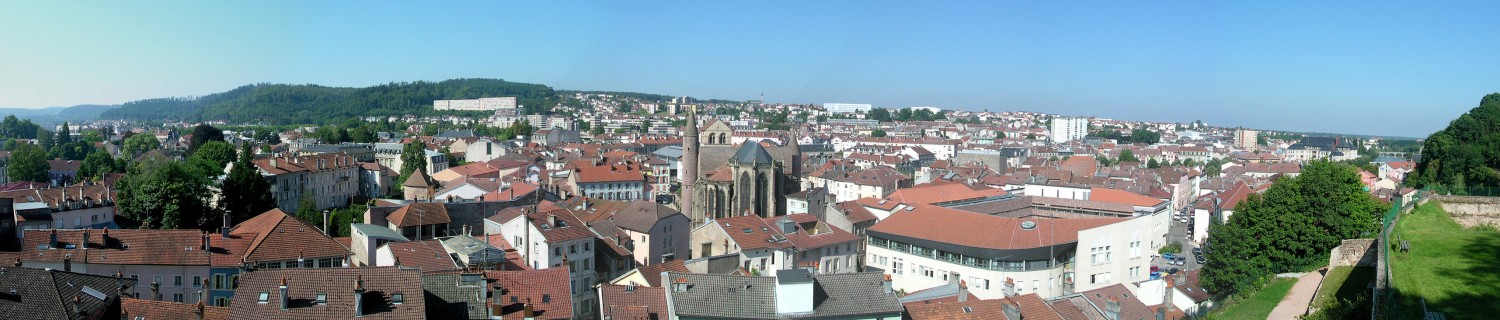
(977, 230)
(279, 236)
(132, 308)
(381, 284)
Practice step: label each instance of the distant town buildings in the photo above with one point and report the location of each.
(1246, 139)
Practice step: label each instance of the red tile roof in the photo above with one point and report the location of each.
(132, 308)
(609, 173)
(633, 302)
(279, 236)
(941, 191)
(121, 247)
(304, 284)
(547, 290)
(1122, 196)
(416, 214)
(427, 255)
(977, 230)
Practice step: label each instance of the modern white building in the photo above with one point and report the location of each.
(1011, 246)
(1066, 129)
(481, 104)
(848, 107)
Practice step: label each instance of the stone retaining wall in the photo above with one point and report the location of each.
(1471, 211)
(1353, 253)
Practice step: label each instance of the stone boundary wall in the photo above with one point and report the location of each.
(1471, 211)
(1353, 253)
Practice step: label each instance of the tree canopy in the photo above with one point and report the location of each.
(246, 193)
(28, 163)
(293, 104)
(160, 193)
(1465, 154)
(138, 144)
(1291, 226)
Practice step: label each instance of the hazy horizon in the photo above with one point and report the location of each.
(1393, 69)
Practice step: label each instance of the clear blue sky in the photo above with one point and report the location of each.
(1395, 68)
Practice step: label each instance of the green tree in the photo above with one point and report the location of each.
(413, 158)
(877, 133)
(139, 144)
(1289, 227)
(363, 134)
(63, 136)
(96, 164)
(245, 192)
(204, 133)
(1213, 167)
(879, 114)
(1128, 156)
(219, 152)
(28, 163)
(1464, 154)
(1153, 164)
(307, 209)
(164, 194)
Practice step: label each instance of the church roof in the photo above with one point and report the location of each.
(752, 153)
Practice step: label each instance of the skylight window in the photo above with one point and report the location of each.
(322, 298)
(264, 297)
(398, 298)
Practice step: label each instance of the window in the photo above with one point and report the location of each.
(896, 267)
(557, 251)
(264, 296)
(158, 279)
(177, 281)
(322, 298)
(197, 281)
(177, 297)
(95, 218)
(572, 248)
(586, 247)
(219, 282)
(398, 298)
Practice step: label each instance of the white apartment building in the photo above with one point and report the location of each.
(848, 107)
(481, 104)
(551, 239)
(1066, 129)
(924, 246)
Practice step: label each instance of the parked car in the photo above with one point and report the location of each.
(1197, 251)
(1201, 259)
(1169, 256)
(1181, 261)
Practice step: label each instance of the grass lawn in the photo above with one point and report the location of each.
(1456, 270)
(1350, 284)
(1259, 305)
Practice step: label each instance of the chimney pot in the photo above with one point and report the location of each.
(285, 300)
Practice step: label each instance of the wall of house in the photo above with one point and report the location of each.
(909, 272)
(1119, 252)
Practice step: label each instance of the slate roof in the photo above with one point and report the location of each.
(132, 308)
(753, 297)
(449, 298)
(303, 285)
(53, 294)
(752, 153)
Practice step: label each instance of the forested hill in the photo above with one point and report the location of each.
(1466, 153)
(314, 104)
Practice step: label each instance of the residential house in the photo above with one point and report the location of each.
(334, 293)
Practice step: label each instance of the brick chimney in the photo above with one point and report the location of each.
(85, 244)
(53, 243)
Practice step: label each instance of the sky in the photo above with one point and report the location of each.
(1365, 67)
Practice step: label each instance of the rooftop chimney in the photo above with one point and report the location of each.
(787, 225)
(359, 295)
(85, 244)
(206, 247)
(68, 262)
(285, 300)
(53, 244)
(156, 290)
(886, 284)
(104, 238)
(1112, 309)
(552, 220)
(1011, 309)
(963, 290)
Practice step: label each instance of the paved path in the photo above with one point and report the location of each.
(1297, 301)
